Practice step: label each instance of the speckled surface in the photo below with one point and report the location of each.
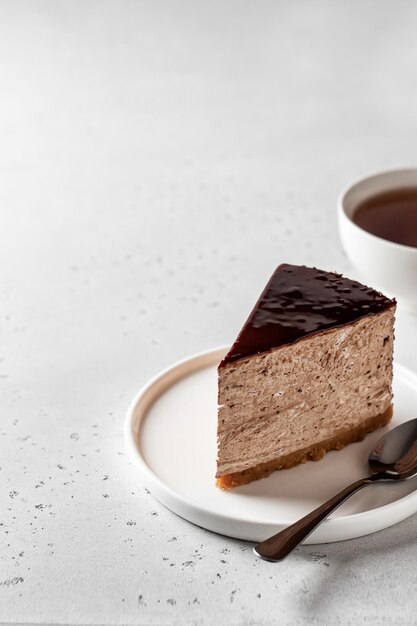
(158, 160)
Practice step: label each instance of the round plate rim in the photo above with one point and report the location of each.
(169, 497)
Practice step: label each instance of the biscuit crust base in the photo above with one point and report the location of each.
(311, 453)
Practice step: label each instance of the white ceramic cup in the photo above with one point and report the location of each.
(384, 265)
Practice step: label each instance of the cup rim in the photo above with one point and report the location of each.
(358, 181)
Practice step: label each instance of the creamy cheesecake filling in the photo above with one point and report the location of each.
(302, 394)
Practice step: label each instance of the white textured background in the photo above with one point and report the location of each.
(157, 161)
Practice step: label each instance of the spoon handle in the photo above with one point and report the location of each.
(280, 545)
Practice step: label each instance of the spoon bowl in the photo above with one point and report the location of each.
(395, 454)
(393, 458)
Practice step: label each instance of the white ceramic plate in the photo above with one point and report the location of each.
(170, 433)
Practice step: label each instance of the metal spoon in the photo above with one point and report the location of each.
(393, 458)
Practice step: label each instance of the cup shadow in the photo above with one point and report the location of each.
(352, 559)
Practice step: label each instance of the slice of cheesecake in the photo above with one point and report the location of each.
(310, 371)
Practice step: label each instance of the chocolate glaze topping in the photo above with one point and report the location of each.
(299, 301)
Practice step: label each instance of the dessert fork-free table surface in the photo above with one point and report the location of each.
(158, 160)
